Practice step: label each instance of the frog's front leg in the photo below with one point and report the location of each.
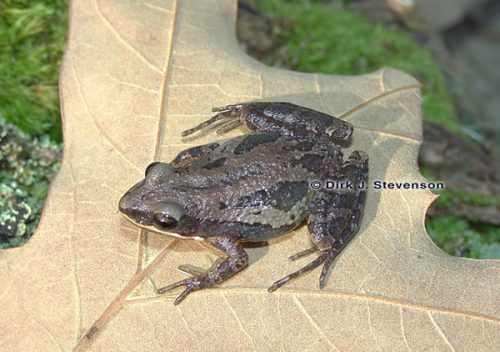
(335, 216)
(237, 259)
(284, 118)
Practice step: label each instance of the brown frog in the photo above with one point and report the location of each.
(255, 187)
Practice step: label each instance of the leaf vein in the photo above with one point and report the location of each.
(312, 322)
(239, 321)
(122, 40)
(441, 333)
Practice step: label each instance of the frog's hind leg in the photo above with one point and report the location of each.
(231, 112)
(335, 217)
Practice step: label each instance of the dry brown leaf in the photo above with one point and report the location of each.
(137, 73)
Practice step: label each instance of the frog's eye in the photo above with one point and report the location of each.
(150, 167)
(166, 215)
(158, 171)
(164, 222)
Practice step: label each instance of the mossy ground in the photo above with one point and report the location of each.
(458, 236)
(26, 169)
(461, 238)
(32, 35)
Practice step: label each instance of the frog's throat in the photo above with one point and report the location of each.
(154, 229)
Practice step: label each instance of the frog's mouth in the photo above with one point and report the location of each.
(154, 229)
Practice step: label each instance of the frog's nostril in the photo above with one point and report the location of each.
(124, 204)
(121, 204)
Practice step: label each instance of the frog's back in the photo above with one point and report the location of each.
(252, 187)
(257, 153)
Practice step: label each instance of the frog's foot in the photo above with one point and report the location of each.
(192, 285)
(230, 112)
(314, 264)
(326, 258)
(221, 270)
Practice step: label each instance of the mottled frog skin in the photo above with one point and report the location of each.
(255, 187)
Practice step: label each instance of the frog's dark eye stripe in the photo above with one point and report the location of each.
(150, 167)
(164, 222)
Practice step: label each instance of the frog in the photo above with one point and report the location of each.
(255, 187)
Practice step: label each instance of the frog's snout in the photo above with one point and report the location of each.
(133, 210)
(123, 204)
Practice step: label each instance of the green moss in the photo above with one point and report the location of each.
(15, 216)
(322, 38)
(26, 169)
(32, 36)
(458, 237)
(450, 197)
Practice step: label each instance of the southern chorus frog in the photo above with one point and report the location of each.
(255, 187)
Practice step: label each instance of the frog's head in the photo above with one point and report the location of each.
(145, 206)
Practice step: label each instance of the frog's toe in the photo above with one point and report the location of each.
(173, 286)
(192, 270)
(326, 266)
(302, 254)
(198, 271)
(231, 107)
(314, 264)
(192, 285)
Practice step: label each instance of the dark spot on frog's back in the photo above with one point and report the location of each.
(287, 194)
(304, 146)
(283, 196)
(194, 152)
(254, 140)
(215, 164)
(310, 162)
